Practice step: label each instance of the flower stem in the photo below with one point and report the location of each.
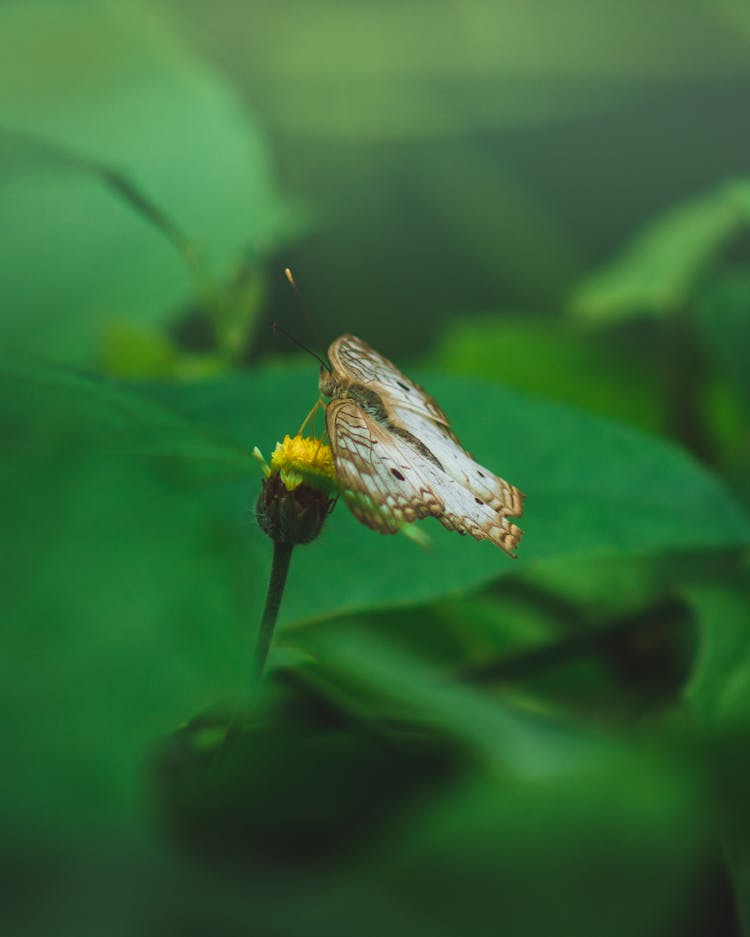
(282, 554)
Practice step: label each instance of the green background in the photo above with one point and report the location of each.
(542, 213)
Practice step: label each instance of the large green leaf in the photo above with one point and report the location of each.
(113, 86)
(20, 152)
(119, 618)
(136, 574)
(49, 409)
(547, 356)
(593, 488)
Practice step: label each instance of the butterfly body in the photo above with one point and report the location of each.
(397, 459)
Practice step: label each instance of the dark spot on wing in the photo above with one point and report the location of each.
(397, 474)
(479, 501)
(403, 386)
(480, 474)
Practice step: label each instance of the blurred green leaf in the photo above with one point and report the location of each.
(111, 84)
(132, 351)
(550, 657)
(20, 152)
(48, 408)
(720, 686)
(392, 683)
(605, 587)
(557, 855)
(591, 654)
(723, 315)
(657, 273)
(722, 320)
(545, 356)
(121, 617)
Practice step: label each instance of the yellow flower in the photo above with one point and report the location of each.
(301, 459)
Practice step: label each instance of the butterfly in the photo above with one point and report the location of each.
(396, 457)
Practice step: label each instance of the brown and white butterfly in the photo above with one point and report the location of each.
(397, 459)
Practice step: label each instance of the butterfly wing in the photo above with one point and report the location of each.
(494, 491)
(361, 364)
(380, 484)
(415, 411)
(386, 482)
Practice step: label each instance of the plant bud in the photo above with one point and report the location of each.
(295, 516)
(297, 492)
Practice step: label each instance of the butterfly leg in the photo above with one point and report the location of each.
(309, 417)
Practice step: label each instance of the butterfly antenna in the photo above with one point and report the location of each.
(277, 328)
(290, 276)
(309, 320)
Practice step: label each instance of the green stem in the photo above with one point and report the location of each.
(282, 554)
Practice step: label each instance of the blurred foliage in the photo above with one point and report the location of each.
(505, 146)
(182, 533)
(545, 356)
(542, 214)
(659, 272)
(690, 269)
(411, 68)
(118, 90)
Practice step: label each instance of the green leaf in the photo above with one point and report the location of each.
(557, 855)
(136, 575)
(657, 272)
(720, 686)
(48, 407)
(723, 317)
(21, 152)
(121, 92)
(722, 320)
(397, 684)
(545, 356)
(593, 488)
(120, 616)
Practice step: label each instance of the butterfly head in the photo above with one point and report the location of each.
(328, 382)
